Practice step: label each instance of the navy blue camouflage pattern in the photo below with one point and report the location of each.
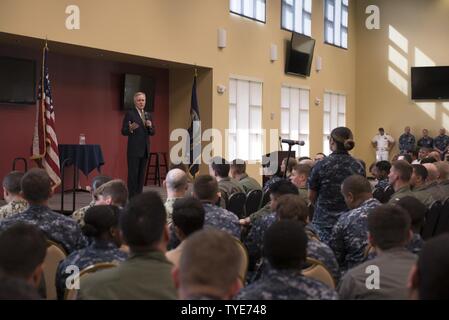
(407, 142)
(286, 285)
(96, 252)
(350, 235)
(326, 179)
(441, 142)
(425, 142)
(221, 219)
(57, 227)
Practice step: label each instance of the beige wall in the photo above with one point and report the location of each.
(380, 100)
(186, 31)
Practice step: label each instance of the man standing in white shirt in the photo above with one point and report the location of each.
(383, 143)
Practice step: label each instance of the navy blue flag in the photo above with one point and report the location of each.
(194, 133)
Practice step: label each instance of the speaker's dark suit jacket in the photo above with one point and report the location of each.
(138, 142)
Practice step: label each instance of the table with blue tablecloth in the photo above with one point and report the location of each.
(86, 157)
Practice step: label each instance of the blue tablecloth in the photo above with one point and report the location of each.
(86, 157)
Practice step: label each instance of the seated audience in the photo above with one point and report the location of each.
(219, 168)
(11, 193)
(78, 215)
(22, 252)
(209, 267)
(432, 186)
(299, 176)
(114, 193)
(429, 279)
(238, 172)
(443, 177)
(288, 167)
(36, 189)
(285, 245)
(389, 232)
(417, 212)
(205, 189)
(399, 178)
(188, 217)
(319, 156)
(349, 236)
(146, 274)
(418, 182)
(176, 184)
(382, 190)
(100, 225)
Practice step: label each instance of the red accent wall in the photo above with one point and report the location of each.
(87, 99)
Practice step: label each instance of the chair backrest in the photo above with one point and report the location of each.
(431, 220)
(55, 254)
(72, 294)
(443, 221)
(265, 199)
(253, 201)
(316, 270)
(237, 204)
(245, 260)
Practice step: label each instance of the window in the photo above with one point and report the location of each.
(295, 118)
(336, 22)
(245, 120)
(334, 116)
(297, 16)
(253, 9)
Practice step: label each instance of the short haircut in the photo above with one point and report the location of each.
(99, 180)
(383, 166)
(285, 245)
(404, 169)
(304, 169)
(22, 248)
(36, 185)
(292, 207)
(282, 187)
(443, 169)
(176, 179)
(220, 166)
(416, 209)
(407, 157)
(433, 269)
(420, 171)
(188, 215)
(389, 226)
(210, 258)
(357, 185)
(429, 160)
(143, 220)
(100, 219)
(205, 187)
(139, 94)
(11, 182)
(239, 166)
(116, 189)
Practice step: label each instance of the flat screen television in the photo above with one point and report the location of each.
(138, 83)
(17, 80)
(299, 55)
(430, 83)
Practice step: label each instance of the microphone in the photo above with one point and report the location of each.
(293, 142)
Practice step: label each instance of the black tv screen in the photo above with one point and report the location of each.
(17, 80)
(138, 83)
(299, 55)
(430, 83)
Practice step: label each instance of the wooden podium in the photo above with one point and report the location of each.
(277, 156)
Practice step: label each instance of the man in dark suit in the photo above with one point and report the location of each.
(138, 126)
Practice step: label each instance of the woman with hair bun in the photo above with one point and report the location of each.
(102, 228)
(326, 178)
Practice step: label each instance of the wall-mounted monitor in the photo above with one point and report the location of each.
(430, 83)
(17, 81)
(138, 83)
(299, 55)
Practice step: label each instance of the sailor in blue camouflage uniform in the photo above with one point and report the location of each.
(36, 188)
(417, 211)
(350, 235)
(441, 143)
(326, 178)
(407, 141)
(205, 189)
(425, 141)
(285, 246)
(101, 225)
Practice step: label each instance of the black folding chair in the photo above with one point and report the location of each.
(432, 220)
(265, 199)
(236, 204)
(253, 201)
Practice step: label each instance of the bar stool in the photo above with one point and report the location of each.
(156, 162)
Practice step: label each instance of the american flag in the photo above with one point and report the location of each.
(45, 143)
